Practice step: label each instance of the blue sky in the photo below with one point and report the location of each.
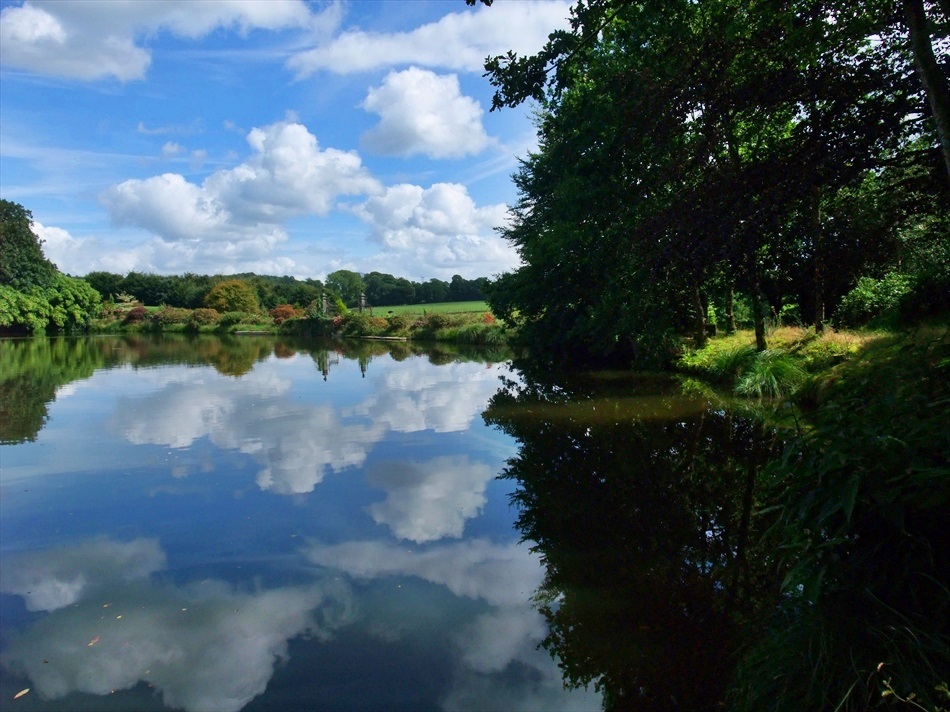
(273, 136)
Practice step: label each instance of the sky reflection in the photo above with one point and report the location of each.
(178, 537)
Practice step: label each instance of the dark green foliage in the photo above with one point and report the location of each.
(22, 262)
(347, 285)
(386, 290)
(863, 504)
(688, 147)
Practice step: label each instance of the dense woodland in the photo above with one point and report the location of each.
(702, 161)
(379, 289)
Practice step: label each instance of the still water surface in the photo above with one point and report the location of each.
(253, 524)
(258, 523)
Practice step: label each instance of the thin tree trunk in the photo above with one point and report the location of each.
(938, 93)
(758, 311)
(700, 318)
(730, 312)
(818, 267)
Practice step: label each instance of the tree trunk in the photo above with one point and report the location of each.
(700, 318)
(818, 267)
(938, 93)
(730, 312)
(758, 311)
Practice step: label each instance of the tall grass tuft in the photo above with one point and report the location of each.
(728, 364)
(480, 333)
(770, 374)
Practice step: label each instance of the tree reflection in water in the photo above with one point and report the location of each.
(640, 504)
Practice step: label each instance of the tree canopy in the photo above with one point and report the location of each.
(233, 295)
(689, 150)
(34, 294)
(22, 262)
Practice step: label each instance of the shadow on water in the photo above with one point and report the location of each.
(639, 500)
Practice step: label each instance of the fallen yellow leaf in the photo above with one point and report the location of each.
(21, 693)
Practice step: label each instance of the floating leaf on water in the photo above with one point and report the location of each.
(21, 693)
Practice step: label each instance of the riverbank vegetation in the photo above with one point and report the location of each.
(782, 169)
(704, 164)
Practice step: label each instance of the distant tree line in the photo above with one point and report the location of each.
(190, 291)
(381, 289)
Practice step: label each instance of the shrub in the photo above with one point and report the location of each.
(283, 312)
(731, 363)
(356, 324)
(204, 317)
(483, 334)
(398, 322)
(135, 315)
(438, 321)
(872, 298)
(170, 315)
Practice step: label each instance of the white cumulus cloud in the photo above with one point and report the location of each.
(439, 227)
(94, 39)
(287, 175)
(423, 113)
(458, 41)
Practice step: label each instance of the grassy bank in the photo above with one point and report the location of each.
(794, 359)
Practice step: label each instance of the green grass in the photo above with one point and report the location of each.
(794, 354)
(438, 308)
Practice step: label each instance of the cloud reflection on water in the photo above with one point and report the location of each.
(205, 646)
(498, 663)
(295, 443)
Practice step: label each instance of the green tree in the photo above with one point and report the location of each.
(22, 262)
(233, 295)
(34, 295)
(676, 137)
(347, 285)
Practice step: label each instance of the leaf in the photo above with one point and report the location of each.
(21, 693)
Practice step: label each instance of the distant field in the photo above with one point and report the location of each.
(438, 308)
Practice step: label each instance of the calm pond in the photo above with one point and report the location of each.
(260, 523)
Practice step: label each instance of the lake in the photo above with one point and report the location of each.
(268, 524)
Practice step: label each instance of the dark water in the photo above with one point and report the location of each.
(258, 524)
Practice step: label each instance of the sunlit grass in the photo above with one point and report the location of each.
(794, 353)
(437, 308)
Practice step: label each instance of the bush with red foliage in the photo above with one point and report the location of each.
(135, 315)
(283, 312)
